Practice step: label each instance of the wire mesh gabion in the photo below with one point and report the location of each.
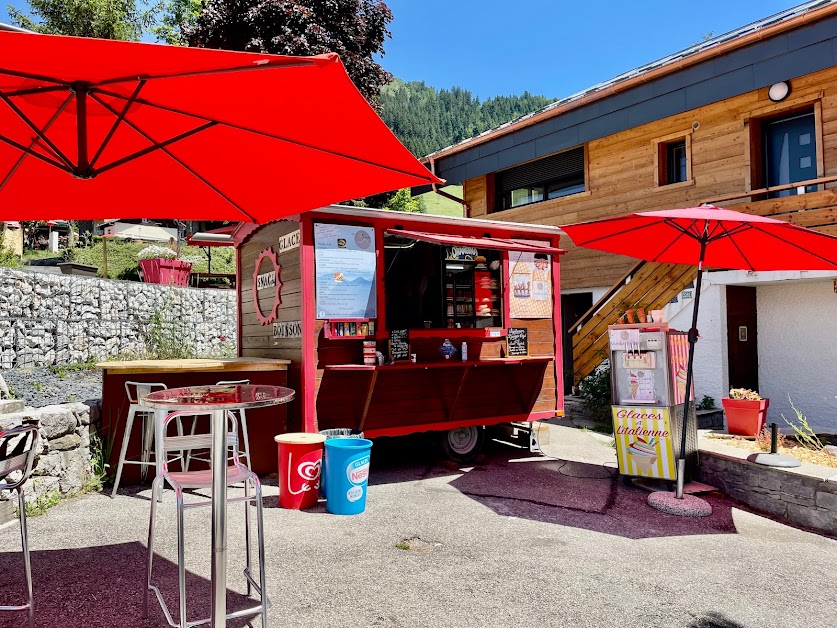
(49, 319)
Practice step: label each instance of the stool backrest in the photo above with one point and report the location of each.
(138, 390)
(17, 453)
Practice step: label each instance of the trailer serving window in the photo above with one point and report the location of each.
(434, 286)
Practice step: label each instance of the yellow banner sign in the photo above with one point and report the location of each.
(644, 444)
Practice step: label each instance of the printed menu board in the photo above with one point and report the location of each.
(530, 292)
(345, 271)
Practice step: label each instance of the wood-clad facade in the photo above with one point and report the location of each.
(621, 173)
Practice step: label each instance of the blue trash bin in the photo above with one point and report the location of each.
(347, 460)
(340, 432)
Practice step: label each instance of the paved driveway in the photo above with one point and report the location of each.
(514, 541)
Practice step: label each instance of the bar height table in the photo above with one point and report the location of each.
(216, 400)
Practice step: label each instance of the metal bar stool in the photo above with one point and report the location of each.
(180, 481)
(241, 416)
(135, 391)
(15, 457)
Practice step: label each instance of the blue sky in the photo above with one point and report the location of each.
(549, 47)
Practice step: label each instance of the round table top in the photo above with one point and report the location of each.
(226, 397)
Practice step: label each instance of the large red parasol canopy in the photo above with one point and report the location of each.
(730, 239)
(92, 127)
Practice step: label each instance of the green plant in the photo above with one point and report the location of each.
(9, 259)
(100, 450)
(707, 403)
(42, 504)
(62, 370)
(804, 434)
(402, 545)
(744, 394)
(163, 340)
(595, 391)
(37, 386)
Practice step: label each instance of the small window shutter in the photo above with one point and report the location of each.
(568, 163)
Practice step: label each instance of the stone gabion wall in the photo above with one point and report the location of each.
(802, 499)
(63, 462)
(48, 319)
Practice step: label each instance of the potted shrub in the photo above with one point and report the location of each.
(746, 412)
(159, 264)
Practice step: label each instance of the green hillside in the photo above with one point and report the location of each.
(441, 206)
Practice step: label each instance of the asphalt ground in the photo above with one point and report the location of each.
(515, 540)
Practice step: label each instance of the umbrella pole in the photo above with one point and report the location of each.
(693, 336)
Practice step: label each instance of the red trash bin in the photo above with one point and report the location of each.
(300, 461)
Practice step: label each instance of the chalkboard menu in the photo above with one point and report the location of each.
(517, 342)
(399, 344)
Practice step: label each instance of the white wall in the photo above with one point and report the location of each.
(797, 325)
(710, 370)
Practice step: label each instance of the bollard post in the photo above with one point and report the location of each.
(774, 438)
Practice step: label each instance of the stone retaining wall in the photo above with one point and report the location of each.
(63, 462)
(803, 499)
(48, 319)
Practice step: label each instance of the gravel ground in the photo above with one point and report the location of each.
(45, 387)
(516, 540)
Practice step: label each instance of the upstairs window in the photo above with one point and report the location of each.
(673, 160)
(552, 177)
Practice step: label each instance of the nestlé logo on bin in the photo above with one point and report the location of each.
(358, 470)
(354, 493)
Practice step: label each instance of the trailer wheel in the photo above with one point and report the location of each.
(462, 444)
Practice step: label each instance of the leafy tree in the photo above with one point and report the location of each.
(107, 19)
(354, 29)
(402, 201)
(177, 16)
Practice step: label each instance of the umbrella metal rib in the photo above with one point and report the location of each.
(272, 136)
(180, 162)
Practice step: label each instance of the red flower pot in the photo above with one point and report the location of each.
(170, 272)
(745, 417)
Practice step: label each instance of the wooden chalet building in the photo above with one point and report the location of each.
(745, 120)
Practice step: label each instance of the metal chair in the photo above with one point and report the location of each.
(241, 416)
(16, 458)
(136, 391)
(180, 481)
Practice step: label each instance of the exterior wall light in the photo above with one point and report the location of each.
(779, 91)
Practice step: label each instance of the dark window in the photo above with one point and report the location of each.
(551, 177)
(790, 152)
(673, 162)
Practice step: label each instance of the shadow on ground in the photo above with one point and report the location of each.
(101, 587)
(515, 483)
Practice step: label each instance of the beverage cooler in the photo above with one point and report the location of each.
(648, 383)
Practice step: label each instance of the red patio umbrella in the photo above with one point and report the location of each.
(708, 235)
(90, 127)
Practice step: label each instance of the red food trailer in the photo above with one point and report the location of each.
(463, 313)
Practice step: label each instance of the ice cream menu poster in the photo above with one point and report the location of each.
(644, 445)
(530, 289)
(345, 261)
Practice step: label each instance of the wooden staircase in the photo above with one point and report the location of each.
(647, 285)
